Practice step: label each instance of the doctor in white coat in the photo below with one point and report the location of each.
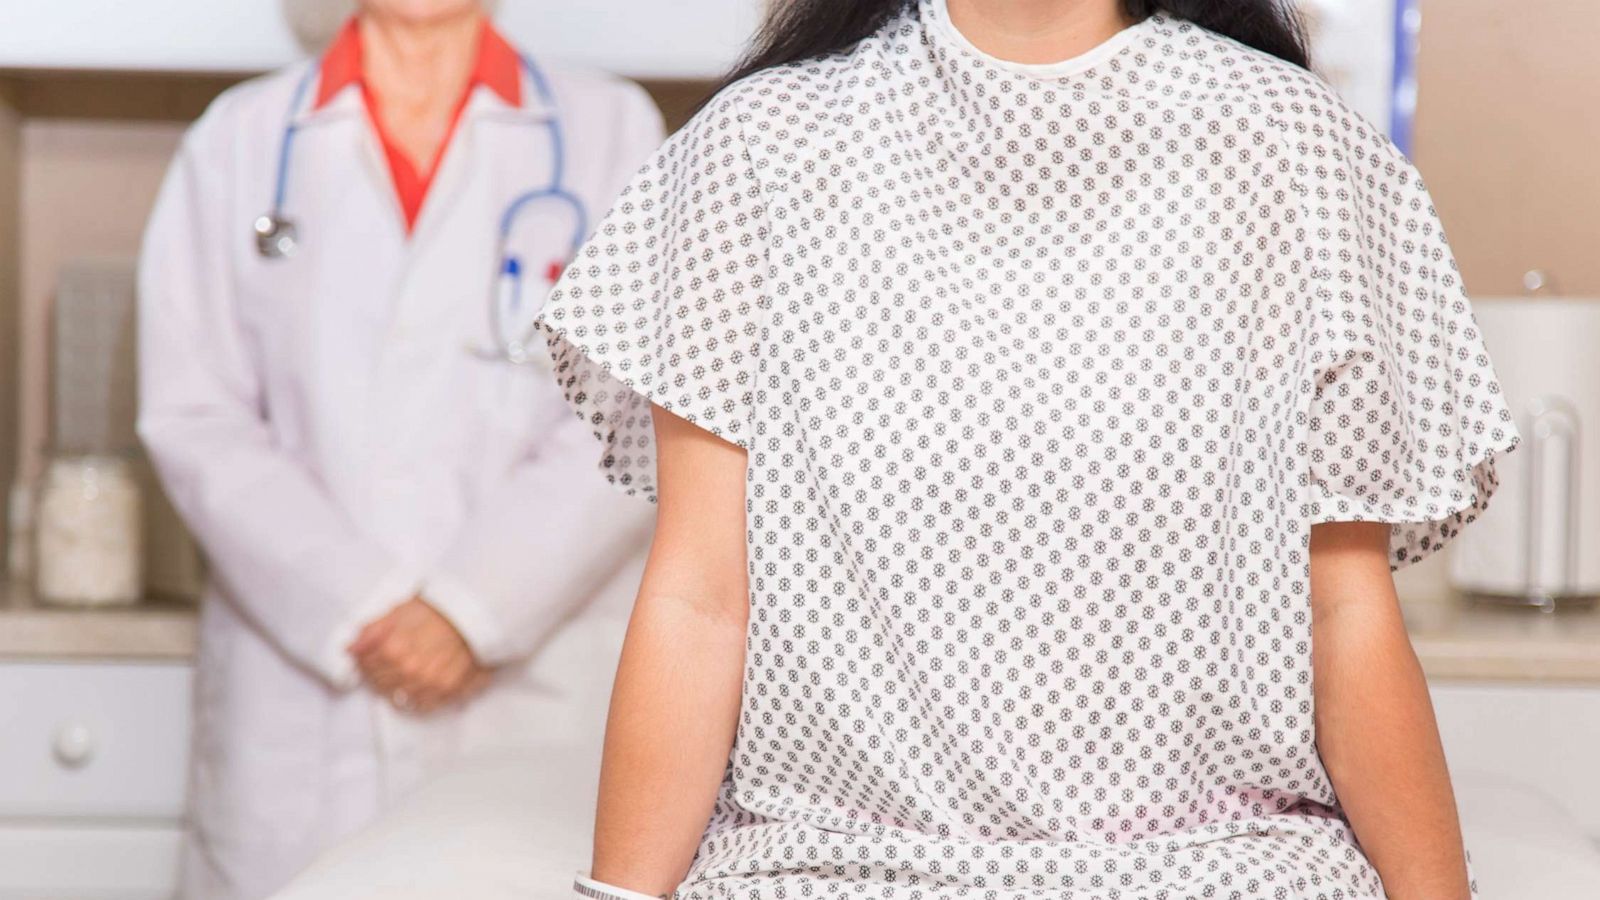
(401, 524)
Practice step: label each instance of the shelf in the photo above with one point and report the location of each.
(1459, 640)
(150, 630)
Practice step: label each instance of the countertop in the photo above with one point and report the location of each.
(1459, 639)
(1455, 639)
(152, 630)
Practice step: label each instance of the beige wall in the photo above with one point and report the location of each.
(87, 188)
(10, 180)
(1508, 138)
(91, 151)
(86, 155)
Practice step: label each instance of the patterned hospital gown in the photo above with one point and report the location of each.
(1044, 374)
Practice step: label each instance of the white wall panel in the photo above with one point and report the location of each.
(641, 38)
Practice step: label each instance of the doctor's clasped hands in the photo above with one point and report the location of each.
(416, 658)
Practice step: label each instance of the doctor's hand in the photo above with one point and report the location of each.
(413, 656)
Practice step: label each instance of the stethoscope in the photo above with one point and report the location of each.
(516, 337)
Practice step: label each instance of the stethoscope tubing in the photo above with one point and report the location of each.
(564, 196)
(280, 181)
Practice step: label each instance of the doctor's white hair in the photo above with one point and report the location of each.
(315, 22)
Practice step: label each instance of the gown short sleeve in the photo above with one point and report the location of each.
(664, 303)
(1406, 415)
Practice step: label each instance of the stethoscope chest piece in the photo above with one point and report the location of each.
(521, 354)
(275, 236)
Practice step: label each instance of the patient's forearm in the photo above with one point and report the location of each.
(675, 706)
(1375, 724)
(673, 714)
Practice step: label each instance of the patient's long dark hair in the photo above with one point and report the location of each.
(807, 29)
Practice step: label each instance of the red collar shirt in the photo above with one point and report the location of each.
(495, 67)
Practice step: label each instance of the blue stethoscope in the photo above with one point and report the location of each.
(516, 337)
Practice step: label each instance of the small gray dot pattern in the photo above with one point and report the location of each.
(1043, 383)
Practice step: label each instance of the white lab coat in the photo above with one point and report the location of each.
(327, 437)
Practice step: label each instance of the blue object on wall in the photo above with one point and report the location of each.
(1403, 97)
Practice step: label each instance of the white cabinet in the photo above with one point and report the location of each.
(93, 762)
(88, 862)
(1544, 737)
(639, 38)
(1522, 758)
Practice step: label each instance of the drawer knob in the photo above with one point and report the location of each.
(74, 744)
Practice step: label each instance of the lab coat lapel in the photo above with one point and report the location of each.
(450, 234)
(335, 147)
(335, 151)
(475, 152)
(439, 293)
(444, 191)
(352, 247)
(452, 250)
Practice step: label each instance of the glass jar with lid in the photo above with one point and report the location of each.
(88, 516)
(87, 531)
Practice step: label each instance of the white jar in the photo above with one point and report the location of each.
(87, 544)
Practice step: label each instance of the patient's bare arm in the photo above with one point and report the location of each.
(675, 706)
(1375, 726)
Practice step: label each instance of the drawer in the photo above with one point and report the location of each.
(95, 863)
(93, 740)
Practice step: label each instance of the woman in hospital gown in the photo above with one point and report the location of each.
(1037, 396)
